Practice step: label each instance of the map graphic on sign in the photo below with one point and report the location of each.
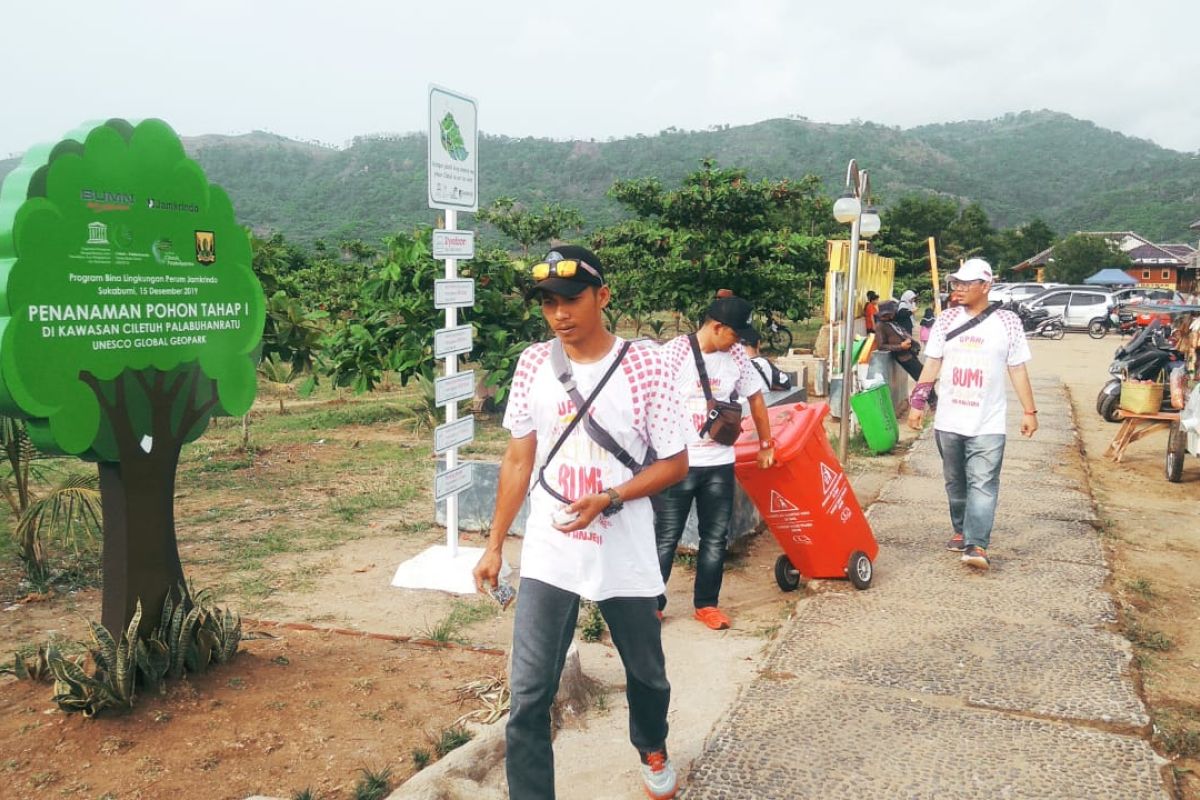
(452, 138)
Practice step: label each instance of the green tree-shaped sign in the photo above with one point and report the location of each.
(129, 315)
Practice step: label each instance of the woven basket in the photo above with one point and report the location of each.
(1141, 398)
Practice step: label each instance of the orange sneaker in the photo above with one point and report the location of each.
(713, 618)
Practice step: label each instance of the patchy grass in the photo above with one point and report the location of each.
(1148, 639)
(451, 739)
(1141, 587)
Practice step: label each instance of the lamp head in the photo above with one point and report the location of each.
(847, 208)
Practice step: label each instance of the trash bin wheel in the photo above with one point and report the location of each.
(860, 570)
(787, 576)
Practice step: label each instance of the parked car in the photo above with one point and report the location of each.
(1013, 293)
(1077, 305)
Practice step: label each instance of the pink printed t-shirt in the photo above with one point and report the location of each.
(615, 556)
(728, 371)
(970, 388)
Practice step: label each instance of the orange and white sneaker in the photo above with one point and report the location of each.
(713, 618)
(658, 775)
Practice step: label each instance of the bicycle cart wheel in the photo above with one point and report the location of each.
(779, 339)
(1176, 450)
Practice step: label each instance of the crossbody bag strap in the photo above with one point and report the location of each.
(762, 374)
(708, 395)
(971, 323)
(562, 370)
(581, 410)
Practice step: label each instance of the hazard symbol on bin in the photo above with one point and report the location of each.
(780, 504)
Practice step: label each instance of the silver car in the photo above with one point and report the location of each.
(1077, 305)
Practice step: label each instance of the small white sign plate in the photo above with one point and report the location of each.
(452, 341)
(453, 434)
(452, 481)
(453, 244)
(453, 292)
(449, 388)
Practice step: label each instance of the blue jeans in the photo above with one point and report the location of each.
(971, 467)
(712, 490)
(542, 632)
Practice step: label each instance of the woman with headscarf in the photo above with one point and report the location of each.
(906, 309)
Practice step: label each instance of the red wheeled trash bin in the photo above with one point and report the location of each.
(806, 500)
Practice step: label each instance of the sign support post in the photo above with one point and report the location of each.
(452, 408)
(453, 187)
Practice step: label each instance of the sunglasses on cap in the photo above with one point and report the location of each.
(563, 268)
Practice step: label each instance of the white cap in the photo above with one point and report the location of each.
(974, 269)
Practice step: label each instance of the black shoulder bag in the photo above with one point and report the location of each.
(562, 370)
(724, 423)
(973, 321)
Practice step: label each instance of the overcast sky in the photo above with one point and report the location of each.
(334, 69)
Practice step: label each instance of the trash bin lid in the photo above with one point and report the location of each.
(791, 427)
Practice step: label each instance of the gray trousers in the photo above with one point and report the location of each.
(971, 468)
(542, 633)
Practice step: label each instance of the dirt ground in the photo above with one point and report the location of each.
(1152, 533)
(303, 710)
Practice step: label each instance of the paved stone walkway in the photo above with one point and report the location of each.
(940, 682)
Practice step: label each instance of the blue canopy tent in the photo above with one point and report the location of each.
(1110, 277)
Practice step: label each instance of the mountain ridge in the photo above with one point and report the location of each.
(1072, 173)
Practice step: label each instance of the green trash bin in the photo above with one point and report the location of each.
(877, 418)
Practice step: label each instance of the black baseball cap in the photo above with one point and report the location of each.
(732, 311)
(572, 286)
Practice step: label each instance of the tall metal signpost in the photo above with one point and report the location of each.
(453, 187)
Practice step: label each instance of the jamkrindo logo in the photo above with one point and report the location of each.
(206, 247)
(156, 204)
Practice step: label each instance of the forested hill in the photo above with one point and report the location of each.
(1069, 172)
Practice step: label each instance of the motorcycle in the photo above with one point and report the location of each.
(1116, 319)
(1039, 323)
(1146, 357)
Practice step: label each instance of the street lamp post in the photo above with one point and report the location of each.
(863, 222)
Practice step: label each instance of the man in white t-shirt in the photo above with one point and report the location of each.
(590, 527)
(971, 348)
(710, 479)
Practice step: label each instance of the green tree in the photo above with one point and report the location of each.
(1014, 245)
(718, 230)
(392, 331)
(1081, 255)
(907, 225)
(129, 404)
(528, 227)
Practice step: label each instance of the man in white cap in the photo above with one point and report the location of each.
(970, 348)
